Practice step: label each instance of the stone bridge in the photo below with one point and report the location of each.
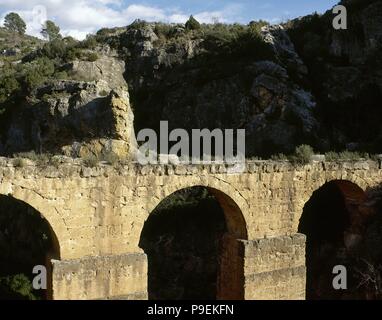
(97, 215)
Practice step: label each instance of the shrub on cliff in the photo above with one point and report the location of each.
(192, 24)
(346, 156)
(166, 31)
(237, 40)
(302, 155)
(37, 72)
(55, 49)
(92, 57)
(89, 43)
(8, 85)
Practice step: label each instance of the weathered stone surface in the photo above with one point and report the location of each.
(345, 72)
(100, 212)
(284, 48)
(107, 68)
(76, 118)
(283, 111)
(107, 277)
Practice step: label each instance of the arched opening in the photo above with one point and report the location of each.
(26, 241)
(191, 240)
(334, 221)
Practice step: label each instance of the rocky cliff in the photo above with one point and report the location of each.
(220, 79)
(300, 83)
(345, 73)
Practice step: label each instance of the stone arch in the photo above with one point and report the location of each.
(333, 220)
(313, 185)
(227, 195)
(47, 210)
(38, 220)
(230, 277)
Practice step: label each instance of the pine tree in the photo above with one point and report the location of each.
(13, 22)
(51, 31)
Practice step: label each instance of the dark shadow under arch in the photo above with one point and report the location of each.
(192, 243)
(334, 221)
(26, 240)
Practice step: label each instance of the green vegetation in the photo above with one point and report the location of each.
(42, 159)
(37, 72)
(279, 157)
(25, 241)
(104, 93)
(51, 31)
(17, 286)
(14, 23)
(91, 161)
(220, 39)
(346, 156)
(165, 31)
(89, 43)
(56, 49)
(192, 24)
(92, 57)
(302, 155)
(8, 84)
(68, 49)
(238, 40)
(46, 159)
(41, 62)
(184, 199)
(308, 35)
(111, 158)
(16, 45)
(356, 5)
(19, 162)
(61, 75)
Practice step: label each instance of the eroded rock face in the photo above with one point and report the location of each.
(284, 48)
(283, 111)
(75, 117)
(345, 72)
(312, 85)
(107, 68)
(193, 86)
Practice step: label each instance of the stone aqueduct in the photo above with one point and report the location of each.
(97, 215)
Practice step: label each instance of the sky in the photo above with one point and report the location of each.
(78, 18)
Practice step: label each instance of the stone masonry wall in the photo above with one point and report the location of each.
(101, 277)
(99, 212)
(275, 268)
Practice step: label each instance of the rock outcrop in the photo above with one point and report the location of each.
(185, 81)
(345, 73)
(300, 83)
(107, 68)
(78, 118)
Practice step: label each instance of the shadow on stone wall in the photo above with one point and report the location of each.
(26, 240)
(181, 239)
(343, 225)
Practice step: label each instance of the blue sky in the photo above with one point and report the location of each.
(80, 17)
(247, 10)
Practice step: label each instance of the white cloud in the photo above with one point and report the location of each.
(80, 17)
(178, 18)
